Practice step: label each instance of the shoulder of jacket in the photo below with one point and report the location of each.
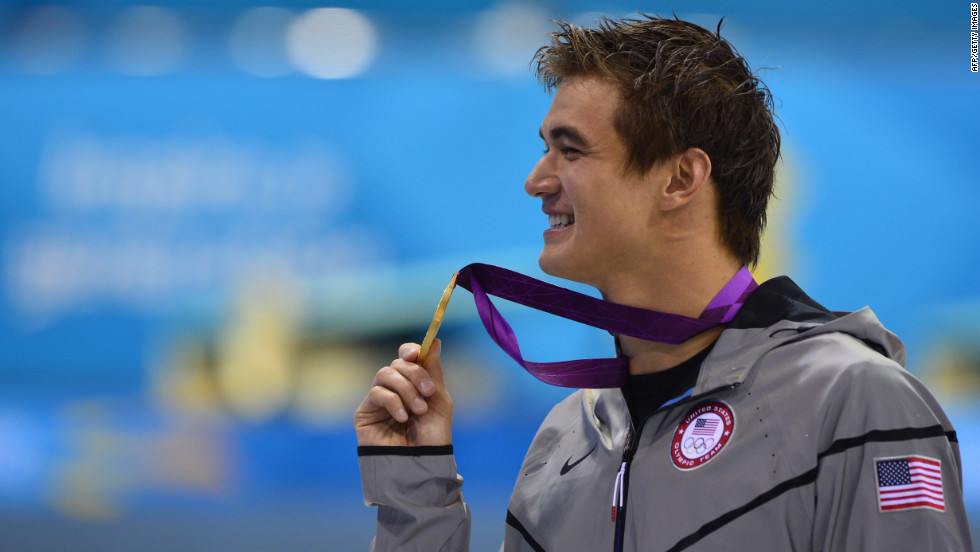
(836, 355)
(842, 377)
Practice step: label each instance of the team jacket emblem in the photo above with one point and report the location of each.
(702, 434)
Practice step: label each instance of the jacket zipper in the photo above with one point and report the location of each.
(619, 489)
(623, 477)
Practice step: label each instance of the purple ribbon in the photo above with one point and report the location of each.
(593, 373)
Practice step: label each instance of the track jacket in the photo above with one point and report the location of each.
(803, 432)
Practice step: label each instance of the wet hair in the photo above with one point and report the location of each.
(681, 87)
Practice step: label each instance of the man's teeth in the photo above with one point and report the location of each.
(558, 222)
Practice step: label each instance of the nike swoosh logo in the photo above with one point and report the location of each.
(568, 466)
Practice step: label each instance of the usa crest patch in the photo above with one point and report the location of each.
(702, 434)
(910, 482)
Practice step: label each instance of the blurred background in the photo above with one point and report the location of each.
(219, 219)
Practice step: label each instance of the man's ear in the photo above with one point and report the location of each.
(690, 173)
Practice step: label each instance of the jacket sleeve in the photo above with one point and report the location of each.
(419, 498)
(889, 475)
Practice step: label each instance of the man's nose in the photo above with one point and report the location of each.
(543, 180)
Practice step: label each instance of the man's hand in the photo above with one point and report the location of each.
(408, 404)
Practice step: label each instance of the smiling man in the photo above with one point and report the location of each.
(643, 236)
(790, 427)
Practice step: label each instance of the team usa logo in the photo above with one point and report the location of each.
(702, 434)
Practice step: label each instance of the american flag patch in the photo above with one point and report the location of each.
(910, 482)
(704, 426)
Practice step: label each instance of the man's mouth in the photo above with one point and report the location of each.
(557, 222)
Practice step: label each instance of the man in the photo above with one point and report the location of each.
(789, 428)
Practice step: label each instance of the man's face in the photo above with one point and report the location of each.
(601, 220)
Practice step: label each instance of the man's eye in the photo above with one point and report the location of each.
(567, 152)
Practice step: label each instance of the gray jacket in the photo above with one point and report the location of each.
(803, 432)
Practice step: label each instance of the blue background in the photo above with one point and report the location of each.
(166, 237)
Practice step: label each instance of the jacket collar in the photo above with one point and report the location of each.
(779, 313)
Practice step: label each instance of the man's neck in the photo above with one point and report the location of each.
(647, 357)
(684, 290)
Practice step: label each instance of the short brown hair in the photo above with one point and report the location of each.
(682, 86)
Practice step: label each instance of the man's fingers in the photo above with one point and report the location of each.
(402, 387)
(421, 376)
(402, 377)
(380, 398)
(407, 392)
(409, 351)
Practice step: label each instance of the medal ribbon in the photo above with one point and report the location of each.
(595, 373)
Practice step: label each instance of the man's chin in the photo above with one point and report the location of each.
(559, 266)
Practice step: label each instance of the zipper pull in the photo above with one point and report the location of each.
(618, 490)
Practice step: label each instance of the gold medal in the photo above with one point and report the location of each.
(436, 321)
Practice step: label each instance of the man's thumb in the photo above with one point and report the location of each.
(433, 362)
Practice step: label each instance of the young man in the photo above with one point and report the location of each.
(789, 428)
